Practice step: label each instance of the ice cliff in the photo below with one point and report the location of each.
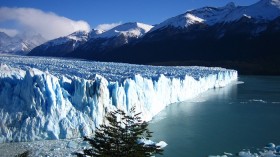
(51, 98)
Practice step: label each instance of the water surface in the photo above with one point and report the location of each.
(239, 116)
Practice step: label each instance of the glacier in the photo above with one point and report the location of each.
(55, 98)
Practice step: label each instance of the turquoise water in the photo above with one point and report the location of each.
(239, 116)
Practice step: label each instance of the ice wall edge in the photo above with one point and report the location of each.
(36, 105)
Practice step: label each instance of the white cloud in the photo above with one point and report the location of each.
(48, 24)
(107, 26)
(10, 32)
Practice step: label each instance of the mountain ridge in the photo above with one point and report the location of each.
(96, 39)
(244, 35)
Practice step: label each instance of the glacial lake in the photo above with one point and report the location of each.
(243, 115)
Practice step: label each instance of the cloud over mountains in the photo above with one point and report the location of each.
(48, 24)
(106, 26)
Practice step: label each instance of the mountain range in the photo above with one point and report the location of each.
(244, 38)
(83, 44)
(20, 44)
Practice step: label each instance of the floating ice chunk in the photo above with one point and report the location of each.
(270, 150)
(240, 82)
(270, 146)
(246, 154)
(147, 142)
(258, 100)
(161, 144)
(277, 149)
(268, 154)
(229, 154)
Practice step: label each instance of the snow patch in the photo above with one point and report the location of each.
(133, 29)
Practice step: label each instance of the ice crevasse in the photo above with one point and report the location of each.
(36, 104)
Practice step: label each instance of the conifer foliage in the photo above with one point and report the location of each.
(121, 137)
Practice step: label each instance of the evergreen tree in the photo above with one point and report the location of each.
(24, 154)
(120, 137)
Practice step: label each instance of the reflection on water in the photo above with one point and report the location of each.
(239, 116)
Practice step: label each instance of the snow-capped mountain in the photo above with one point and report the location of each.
(95, 32)
(264, 10)
(107, 41)
(4, 36)
(78, 37)
(33, 39)
(231, 36)
(132, 30)
(239, 37)
(20, 44)
(95, 42)
(63, 45)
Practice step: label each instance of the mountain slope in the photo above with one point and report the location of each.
(63, 45)
(246, 42)
(242, 45)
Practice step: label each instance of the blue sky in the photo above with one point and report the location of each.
(109, 11)
(96, 12)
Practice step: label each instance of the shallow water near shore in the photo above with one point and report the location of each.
(243, 115)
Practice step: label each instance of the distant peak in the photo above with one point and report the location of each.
(230, 5)
(130, 29)
(267, 3)
(4, 34)
(94, 32)
(271, 2)
(133, 24)
(275, 3)
(79, 33)
(130, 24)
(97, 31)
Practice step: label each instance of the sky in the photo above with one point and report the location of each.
(54, 18)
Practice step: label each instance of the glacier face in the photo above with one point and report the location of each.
(52, 98)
